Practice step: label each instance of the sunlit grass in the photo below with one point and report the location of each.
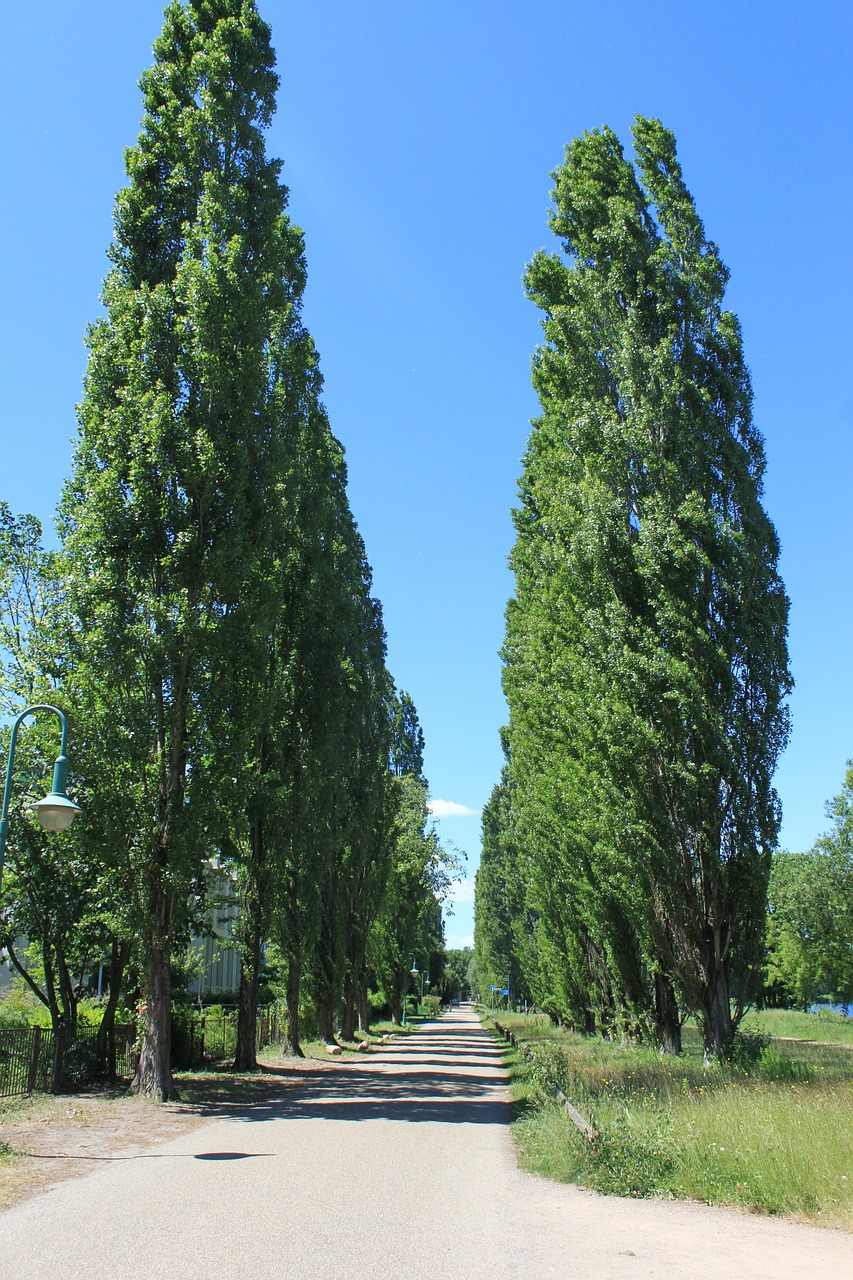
(773, 1135)
(776, 1148)
(807, 1026)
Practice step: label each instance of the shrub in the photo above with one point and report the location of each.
(746, 1049)
(80, 1059)
(626, 1159)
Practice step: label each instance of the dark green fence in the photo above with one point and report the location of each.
(26, 1057)
(198, 1037)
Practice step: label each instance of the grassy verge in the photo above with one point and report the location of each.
(771, 1132)
(833, 1027)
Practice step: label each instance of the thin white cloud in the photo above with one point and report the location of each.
(458, 941)
(461, 891)
(450, 809)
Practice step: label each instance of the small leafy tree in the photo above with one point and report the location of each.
(810, 921)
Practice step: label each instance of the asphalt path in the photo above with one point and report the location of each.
(398, 1165)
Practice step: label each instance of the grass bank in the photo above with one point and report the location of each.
(770, 1132)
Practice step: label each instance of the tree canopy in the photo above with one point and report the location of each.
(210, 613)
(645, 661)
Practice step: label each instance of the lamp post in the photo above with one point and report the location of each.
(55, 812)
(413, 973)
(419, 973)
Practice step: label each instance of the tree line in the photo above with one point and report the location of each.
(627, 847)
(208, 617)
(810, 914)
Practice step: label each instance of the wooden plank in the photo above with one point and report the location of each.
(571, 1111)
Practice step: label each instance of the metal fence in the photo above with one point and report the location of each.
(206, 1036)
(26, 1060)
(26, 1053)
(26, 1057)
(210, 1035)
(272, 1026)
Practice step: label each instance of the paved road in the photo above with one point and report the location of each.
(397, 1166)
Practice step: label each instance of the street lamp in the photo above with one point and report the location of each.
(55, 812)
(417, 973)
(412, 973)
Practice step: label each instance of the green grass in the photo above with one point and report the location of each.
(773, 1134)
(806, 1026)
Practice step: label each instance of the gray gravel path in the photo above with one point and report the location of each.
(397, 1166)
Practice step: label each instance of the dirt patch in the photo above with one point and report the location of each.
(49, 1139)
(45, 1139)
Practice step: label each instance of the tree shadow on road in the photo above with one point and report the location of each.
(452, 1088)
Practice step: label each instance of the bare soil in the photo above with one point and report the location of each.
(47, 1138)
(51, 1138)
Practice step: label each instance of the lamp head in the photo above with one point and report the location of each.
(56, 812)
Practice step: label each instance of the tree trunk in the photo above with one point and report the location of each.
(325, 1019)
(106, 1046)
(154, 1073)
(245, 1057)
(251, 944)
(715, 1011)
(348, 1015)
(294, 976)
(56, 1072)
(58, 1020)
(67, 994)
(363, 1008)
(667, 1020)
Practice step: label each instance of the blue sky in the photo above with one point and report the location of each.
(417, 142)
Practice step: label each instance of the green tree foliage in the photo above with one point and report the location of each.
(50, 925)
(456, 974)
(503, 923)
(174, 498)
(210, 617)
(645, 657)
(410, 921)
(417, 876)
(810, 922)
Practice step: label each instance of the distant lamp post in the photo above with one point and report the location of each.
(413, 973)
(416, 973)
(55, 812)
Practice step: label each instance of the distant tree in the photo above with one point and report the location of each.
(419, 876)
(456, 975)
(502, 919)
(810, 921)
(645, 662)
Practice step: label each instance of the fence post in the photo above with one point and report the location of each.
(35, 1049)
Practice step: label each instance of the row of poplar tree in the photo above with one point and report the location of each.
(208, 618)
(627, 847)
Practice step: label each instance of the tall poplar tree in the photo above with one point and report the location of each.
(171, 507)
(646, 661)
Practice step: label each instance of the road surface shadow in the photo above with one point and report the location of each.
(445, 1079)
